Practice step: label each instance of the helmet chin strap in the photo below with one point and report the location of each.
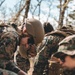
(24, 27)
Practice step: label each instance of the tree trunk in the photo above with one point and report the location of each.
(26, 9)
(62, 12)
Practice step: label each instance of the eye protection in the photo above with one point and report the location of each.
(31, 41)
(26, 51)
(23, 29)
(61, 56)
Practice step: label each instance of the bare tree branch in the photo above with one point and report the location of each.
(2, 2)
(26, 9)
(49, 11)
(18, 14)
(36, 7)
(62, 12)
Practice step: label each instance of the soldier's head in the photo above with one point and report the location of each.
(67, 29)
(66, 52)
(70, 27)
(48, 27)
(14, 25)
(32, 34)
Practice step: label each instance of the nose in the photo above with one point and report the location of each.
(60, 62)
(26, 45)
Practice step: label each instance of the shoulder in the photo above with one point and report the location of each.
(57, 33)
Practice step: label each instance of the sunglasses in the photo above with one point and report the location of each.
(31, 41)
(62, 57)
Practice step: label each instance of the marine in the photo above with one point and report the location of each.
(50, 45)
(65, 54)
(32, 34)
(8, 43)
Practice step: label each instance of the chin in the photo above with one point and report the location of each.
(65, 67)
(69, 68)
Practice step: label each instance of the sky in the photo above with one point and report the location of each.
(44, 7)
(10, 3)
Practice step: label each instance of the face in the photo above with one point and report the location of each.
(67, 62)
(27, 48)
(24, 42)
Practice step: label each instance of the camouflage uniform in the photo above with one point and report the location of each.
(50, 42)
(6, 72)
(53, 39)
(23, 63)
(35, 29)
(8, 44)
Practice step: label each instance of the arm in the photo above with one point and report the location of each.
(12, 67)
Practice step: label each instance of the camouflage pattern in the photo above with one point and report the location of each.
(68, 30)
(55, 69)
(53, 39)
(67, 46)
(42, 67)
(23, 63)
(8, 44)
(6, 72)
(69, 72)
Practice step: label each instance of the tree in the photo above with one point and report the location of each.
(2, 2)
(62, 11)
(27, 4)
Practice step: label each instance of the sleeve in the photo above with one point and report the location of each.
(8, 44)
(12, 67)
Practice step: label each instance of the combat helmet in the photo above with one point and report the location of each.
(67, 29)
(35, 29)
(66, 46)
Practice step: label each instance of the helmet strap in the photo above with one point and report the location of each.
(23, 29)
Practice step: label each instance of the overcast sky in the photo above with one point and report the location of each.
(44, 7)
